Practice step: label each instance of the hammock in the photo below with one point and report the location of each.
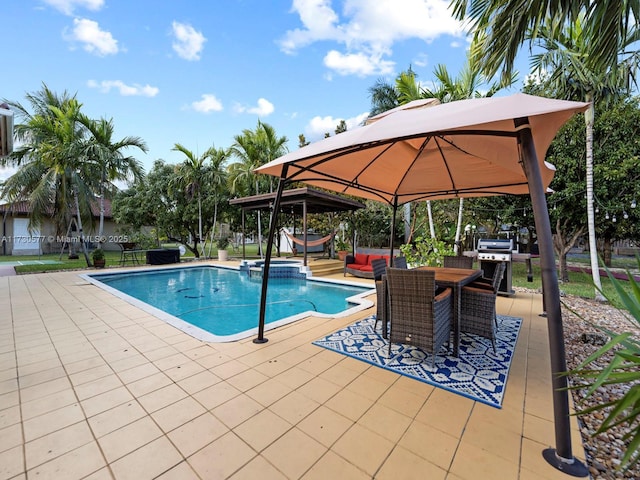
(310, 243)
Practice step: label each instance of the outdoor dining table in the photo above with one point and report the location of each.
(455, 278)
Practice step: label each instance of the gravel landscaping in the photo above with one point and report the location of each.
(582, 338)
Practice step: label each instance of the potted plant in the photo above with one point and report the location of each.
(222, 244)
(97, 256)
(342, 247)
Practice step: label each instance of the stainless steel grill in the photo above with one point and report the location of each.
(492, 251)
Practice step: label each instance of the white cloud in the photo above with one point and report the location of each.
(94, 40)
(263, 109)
(209, 103)
(357, 64)
(368, 30)
(188, 42)
(68, 6)
(105, 86)
(318, 126)
(421, 60)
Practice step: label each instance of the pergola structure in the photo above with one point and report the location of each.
(297, 201)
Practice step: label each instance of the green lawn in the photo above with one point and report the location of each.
(112, 257)
(580, 284)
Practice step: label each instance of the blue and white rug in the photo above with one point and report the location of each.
(478, 373)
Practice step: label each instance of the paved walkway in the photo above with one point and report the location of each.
(7, 271)
(94, 387)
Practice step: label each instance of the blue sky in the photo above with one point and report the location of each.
(198, 72)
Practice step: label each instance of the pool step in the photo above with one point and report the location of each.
(322, 267)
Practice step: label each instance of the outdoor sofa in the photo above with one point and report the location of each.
(359, 264)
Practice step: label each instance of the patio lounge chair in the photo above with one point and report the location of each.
(458, 261)
(478, 307)
(418, 316)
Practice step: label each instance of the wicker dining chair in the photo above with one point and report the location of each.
(478, 307)
(458, 261)
(418, 316)
(379, 266)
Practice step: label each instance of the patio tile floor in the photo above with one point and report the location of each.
(92, 387)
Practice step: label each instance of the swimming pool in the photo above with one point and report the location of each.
(220, 304)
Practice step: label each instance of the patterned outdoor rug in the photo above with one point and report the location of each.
(477, 373)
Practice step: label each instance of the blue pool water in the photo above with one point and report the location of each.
(225, 303)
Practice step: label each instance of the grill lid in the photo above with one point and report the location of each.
(495, 245)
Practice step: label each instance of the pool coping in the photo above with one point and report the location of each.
(361, 303)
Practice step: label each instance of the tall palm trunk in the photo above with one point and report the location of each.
(101, 227)
(456, 243)
(200, 223)
(432, 228)
(213, 228)
(593, 250)
(80, 233)
(407, 222)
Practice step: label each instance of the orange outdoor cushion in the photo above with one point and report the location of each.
(356, 266)
(361, 258)
(375, 257)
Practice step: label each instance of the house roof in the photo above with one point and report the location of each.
(24, 208)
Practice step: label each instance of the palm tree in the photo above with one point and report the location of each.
(270, 145)
(217, 180)
(112, 164)
(383, 97)
(565, 67)
(191, 175)
(254, 148)
(53, 175)
(501, 28)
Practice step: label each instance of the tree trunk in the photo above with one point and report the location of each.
(562, 267)
(432, 229)
(213, 229)
(101, 227)
(593, 246)
(80, 233)
(407, 222)
(562, 245)
(456, 244)
(199, 227)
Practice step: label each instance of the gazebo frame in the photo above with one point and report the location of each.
(296, 201)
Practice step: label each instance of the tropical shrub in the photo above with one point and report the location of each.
(622, 369)
(223, 242)
(426, 251)
(97, 254)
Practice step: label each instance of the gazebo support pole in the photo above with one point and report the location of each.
(305, 227)
(393, 229)
(267, 259)
(561, 457)
(244, 238)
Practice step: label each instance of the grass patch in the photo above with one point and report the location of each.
(580, 284)
(112, 259)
